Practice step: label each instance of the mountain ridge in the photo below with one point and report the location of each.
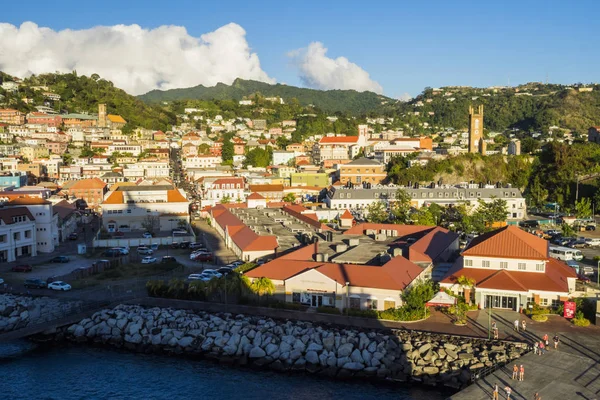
(336, 100)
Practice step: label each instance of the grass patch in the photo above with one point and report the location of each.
(539, 318)
(126, 271)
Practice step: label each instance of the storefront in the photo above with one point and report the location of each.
(509, 302)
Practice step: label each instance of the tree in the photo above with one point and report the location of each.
(400, 208)
(204, 149)
(67, 159)
(225, 199)
(259, 157)
(415, 297)
(290, 197)
(377, 212)
(492, 212)
(537, 193)
(583, 207)
(423, 217)
(262, 286)
(151, 223)
(567, 230)
(227, 149)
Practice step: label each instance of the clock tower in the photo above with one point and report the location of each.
(476, 143)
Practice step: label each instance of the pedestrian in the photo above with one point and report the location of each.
(523, 325)
(517, 325)
(508, 392)
(536, 347)
(515, 371)
(542, 348)
(545, 339)
(521, 372)
(495, 329)
(495, 392)
(556, 340)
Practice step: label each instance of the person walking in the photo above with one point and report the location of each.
(495, 329)
(515, 371)
(521, 372)
(536, 347)
(517, 325)
(542, 348)
(495, 395)
(556, 340)
(545, 339)
(508, 392)
(523, 325)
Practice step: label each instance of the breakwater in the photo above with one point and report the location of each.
(279, 345)
(20, 311)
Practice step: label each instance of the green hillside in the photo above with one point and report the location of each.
(83, 94)
(349, 101)
(531, 107)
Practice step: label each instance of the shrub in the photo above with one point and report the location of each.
(539, 318)
(246, 267)
(361, 313)
(156, 288)
(328, 310)
(581, 321)
(286, 306)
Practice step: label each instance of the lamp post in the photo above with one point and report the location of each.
(347, 296)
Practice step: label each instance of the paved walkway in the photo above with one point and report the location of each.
(215, 243)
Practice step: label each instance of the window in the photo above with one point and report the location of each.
(296, 297)
(28, 234)
(17, 236)
(522, 266)
(348, 195)
(543, 302)
(540, 267)
(371, 304)
(2, 238)
(503, 264)
(485, 264)
(128, 211)
(355, 303)
(468, 263)
(387, 304)
(555, 302)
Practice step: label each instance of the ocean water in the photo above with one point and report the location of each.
(77, 372)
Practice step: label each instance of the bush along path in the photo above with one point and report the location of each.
(433, 359)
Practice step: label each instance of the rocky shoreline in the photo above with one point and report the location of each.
(332, 351)
(20, 311)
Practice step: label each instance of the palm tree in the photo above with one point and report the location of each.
(466, 282)
(262, 286)
(197, 290)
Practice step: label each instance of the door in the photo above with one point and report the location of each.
(316, 300)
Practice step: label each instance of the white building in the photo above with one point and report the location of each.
(203, 161)
(511, 270)
(281, 157)
(17, 234)
(230, 189)
(46, 221)
(129, 208)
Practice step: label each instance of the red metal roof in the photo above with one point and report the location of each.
(508, 242)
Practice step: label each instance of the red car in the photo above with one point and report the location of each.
(22, 268)
(583, 278)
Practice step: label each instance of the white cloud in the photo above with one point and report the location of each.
(133, 58)
(321, 72)
(404, 97)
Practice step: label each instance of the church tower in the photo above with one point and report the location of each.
(476, 143)
(102, 115)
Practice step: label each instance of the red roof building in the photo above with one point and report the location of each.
(511, 269)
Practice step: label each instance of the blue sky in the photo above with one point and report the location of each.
(403, 46)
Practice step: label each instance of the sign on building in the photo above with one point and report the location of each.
(569, 309)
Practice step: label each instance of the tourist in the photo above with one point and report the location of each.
(536, 347)
(556, 340)
(508, 392)
(537, 396)
(523, 325)
(515, 371)
(542, 348)
(495, 392)
(495, 329)
(545, 339)
(517, 325)
(521, 372)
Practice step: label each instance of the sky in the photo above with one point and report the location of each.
(395, 48)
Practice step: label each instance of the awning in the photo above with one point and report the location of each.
(441, 299)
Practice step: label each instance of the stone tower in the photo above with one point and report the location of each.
(476, 143)
(102, 115)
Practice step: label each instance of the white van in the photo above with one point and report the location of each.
(592, 242)
(565, 253)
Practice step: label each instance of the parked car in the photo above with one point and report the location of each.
(147, 235)
(112, 253)
(22, 268)
(260, 261)
(184, 245)
(60, 259)
(583, 278)
(577, 243)
(211, 273)
(145, 250)
(196, 245)
(59, 285)
(73, 236)
(1, 281)
(118, 234)
(154, 246)
(553, 232)
(225, 270)
(590, 228)
(198, 277)
(167, 259)
(35, 284)
(235, 264)
(202, 256)
(148, 260)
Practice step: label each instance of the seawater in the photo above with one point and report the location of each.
(78, 372)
